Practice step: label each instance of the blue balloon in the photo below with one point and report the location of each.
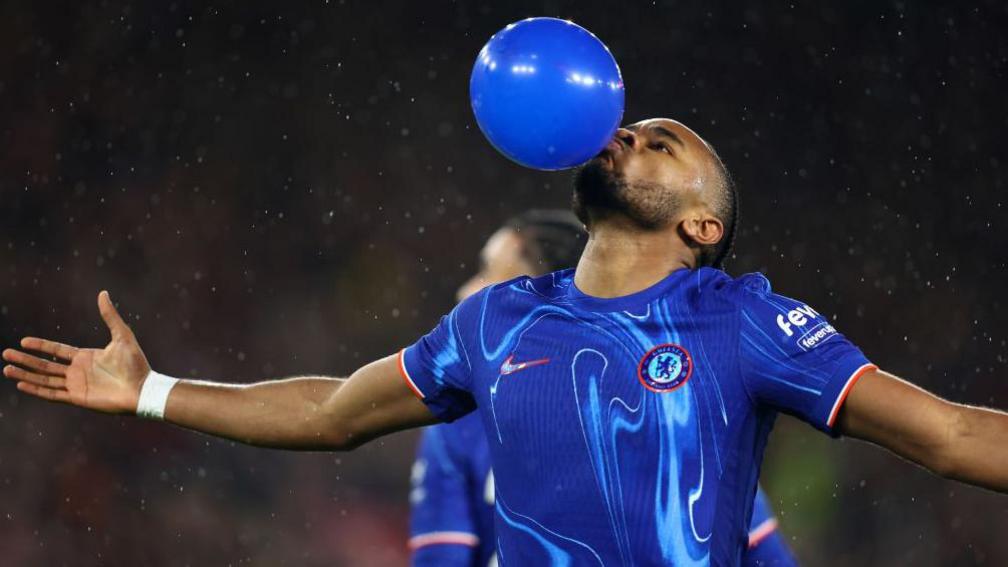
(547, 93)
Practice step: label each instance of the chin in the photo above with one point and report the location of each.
(600, 192)
(597, 177)
(596, 190)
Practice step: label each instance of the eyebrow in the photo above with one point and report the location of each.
(661, 131)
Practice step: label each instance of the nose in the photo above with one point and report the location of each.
(627, 137)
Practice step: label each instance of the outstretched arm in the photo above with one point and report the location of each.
(956, 441)
(296, 413)
(302, 413)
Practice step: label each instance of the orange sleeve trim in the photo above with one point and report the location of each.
(406, 377)
(762, 531)
(847, 388)
(443, 538)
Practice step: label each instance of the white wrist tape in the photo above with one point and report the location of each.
(154, 395)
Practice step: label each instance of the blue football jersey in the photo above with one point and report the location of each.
(630, 430)
(767, 547)
(452, 497)
(452, 503)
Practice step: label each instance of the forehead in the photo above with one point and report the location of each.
(688, 136)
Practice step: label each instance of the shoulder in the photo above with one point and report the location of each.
(758, 304)
(713, 285)
(753, 284)
(544, 286)
(522, 290)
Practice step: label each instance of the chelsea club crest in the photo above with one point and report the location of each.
(665, 367)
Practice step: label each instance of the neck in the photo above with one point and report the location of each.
(622, 260)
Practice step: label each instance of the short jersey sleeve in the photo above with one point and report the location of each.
(792, 358)
(766, 545)
(437, 367)
(442, 529)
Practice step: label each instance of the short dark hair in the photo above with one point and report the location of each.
(552, 239)
(726, 209)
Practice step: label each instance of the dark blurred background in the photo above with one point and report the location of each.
(269, 191)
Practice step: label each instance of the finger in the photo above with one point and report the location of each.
(59, 350)
(115, 323)
(22, 375)
(50, 394)
(34, 362)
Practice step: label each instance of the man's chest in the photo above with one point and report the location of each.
(554, 373)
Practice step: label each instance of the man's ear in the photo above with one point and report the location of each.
(702, 229)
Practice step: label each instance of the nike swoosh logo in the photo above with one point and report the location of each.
(510, 367)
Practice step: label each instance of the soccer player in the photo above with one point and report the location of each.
(453, 490)
(626, 402)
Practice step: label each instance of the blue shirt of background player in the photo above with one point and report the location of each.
(595, 462)
(452, 499)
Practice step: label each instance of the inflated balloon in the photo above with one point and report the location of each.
(547, 93)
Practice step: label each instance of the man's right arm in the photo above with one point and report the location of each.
(298, 413)
(314, 413)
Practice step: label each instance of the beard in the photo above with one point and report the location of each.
(600, 194)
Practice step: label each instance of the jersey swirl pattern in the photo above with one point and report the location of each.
(591, 466)
(452, 501)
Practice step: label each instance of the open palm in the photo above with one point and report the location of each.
(107, 379)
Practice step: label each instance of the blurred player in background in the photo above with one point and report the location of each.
(627, 403)
(453, 488)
